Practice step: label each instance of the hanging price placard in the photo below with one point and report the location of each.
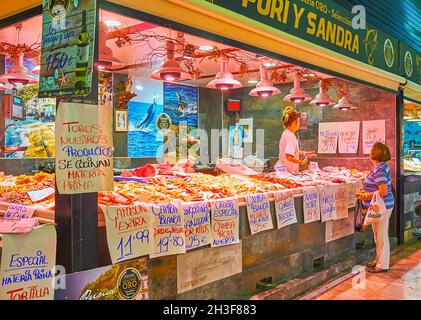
(68, 34)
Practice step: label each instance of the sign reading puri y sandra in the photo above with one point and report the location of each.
(84, 152)
(68, 32)
(323, 23)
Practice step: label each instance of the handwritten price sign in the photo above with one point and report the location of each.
(27, 263)
(349, 134)
(168, 230)
(128, 231)
(341, 202)
(311, 204)
(196, 224)
(225, 222)
(258, 212)
(19, 211)
(327, 203)
(68, 37)
(373, 131)
(84, 148)
(328, 137)
(285, 208)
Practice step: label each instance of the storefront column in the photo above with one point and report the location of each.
(400, 214)
(76, 215)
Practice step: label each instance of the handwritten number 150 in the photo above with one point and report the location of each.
(57, 60)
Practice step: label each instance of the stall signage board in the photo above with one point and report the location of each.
(196, 224)
(373, 131)
(67, 48)
(225, 222)
(19, 211)
(325, 24)
(349, 134)
(167, 230)
(84, 148)
(128, 231)
(27, 264)
(410, 62)
(327, 203)
(258, 212)
(200, 267)
(328, 137)
(311, 204)
(285, 208)
(342, 201)
(127, 280)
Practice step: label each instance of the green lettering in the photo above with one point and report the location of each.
(311, 29)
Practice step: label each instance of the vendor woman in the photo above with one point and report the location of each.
(290, 155)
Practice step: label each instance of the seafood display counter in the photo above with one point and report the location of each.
(273, 254)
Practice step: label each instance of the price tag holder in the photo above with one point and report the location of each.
(18, 226)
(19, 211)
(40, 195)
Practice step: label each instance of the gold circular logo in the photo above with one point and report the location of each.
(409, 64)
(163, 123)
(129, 284)
(389, 53)
(58, 8)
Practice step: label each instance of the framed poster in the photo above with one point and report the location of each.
(120, 120)
(247, 125)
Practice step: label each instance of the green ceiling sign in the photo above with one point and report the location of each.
(323, 23)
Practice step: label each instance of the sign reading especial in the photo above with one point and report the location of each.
(68, 31)
(84, 148)
(323, 23)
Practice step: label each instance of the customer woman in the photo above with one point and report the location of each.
(289, 151)
(379, 179)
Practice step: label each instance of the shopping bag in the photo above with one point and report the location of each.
(360, 215)
(376, 210)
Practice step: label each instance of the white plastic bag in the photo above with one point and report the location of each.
(376, 210)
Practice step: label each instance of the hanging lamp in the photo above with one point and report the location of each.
(297, 94)
(265, 87)
(17, 74)
(36, 70)
(344, 104)
(224, 80)
(171, 69)
(322, 98)
(107, 61)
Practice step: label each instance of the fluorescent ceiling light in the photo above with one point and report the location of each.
(112, 23)
(206, 48)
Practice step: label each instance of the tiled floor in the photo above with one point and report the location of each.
(402, 282)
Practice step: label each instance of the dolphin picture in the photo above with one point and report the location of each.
(181, 104)
(150, 114)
